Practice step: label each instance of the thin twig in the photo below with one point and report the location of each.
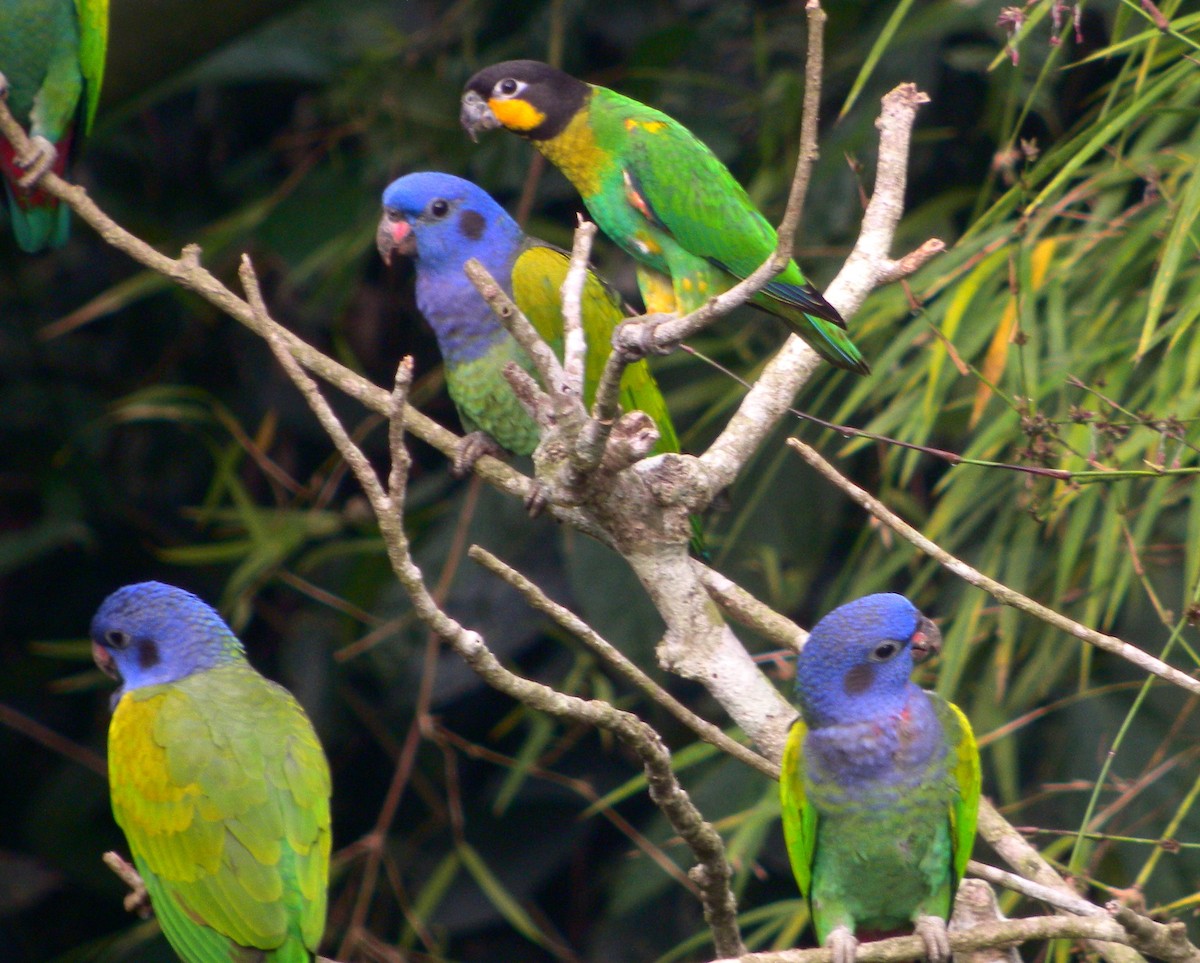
(1167, 941)
(1055, 896)
(137, 900)
(810, 117)
(1002, 593)
(45, 736)
(619, 663)
(740, 605)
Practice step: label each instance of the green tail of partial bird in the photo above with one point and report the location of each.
(813, 318)
(37, 227)
(38, 219)
(831, 343)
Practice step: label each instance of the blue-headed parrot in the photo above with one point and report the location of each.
(218, 781)
(880, 784)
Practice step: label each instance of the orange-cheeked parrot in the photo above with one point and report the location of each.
(218, 781)
(52, 60)
(441, 221)
(658, 192)
(880, 782)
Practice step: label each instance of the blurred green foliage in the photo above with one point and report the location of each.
(146, 436)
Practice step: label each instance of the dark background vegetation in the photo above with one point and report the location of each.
(144, 436)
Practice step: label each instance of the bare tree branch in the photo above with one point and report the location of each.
(810, 118)
(575, 346)
(975, 905)
(740, 605)
(1055, 896)
(1002, 933)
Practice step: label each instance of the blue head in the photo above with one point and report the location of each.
(858, 659)
(151, 633)
(443, 220)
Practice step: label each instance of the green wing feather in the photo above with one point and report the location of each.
(537, 278)
(799, 815)
(224, 799)
(964, 810)
(93, 48)
(713, 216)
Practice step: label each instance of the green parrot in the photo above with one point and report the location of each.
(52, 60)
(657, 191)
(442, 221)
(218, 781)
(880, 782)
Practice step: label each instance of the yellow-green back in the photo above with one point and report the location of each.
(222, 789)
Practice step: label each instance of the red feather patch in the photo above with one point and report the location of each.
(37, 199)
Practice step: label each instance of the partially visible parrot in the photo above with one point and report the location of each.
(657, 191)
(441, 221)
(52, 57)
(880, 783)
(218, 781)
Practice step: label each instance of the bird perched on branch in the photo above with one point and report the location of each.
(441, 221)
(218, 781)
(657, 191)
(52, 63)
(880, 782)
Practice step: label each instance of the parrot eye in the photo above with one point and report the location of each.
(884, 651)
(117, 639)
(438, 208)
(508, 87)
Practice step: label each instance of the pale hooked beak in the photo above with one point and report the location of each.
(476, 115)
(104, 661)
(394, 236)
(926, 641)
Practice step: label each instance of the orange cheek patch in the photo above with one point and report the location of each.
(516, 114)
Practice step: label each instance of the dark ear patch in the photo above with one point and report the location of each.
(147, 654)
(859, 679)
(471, 223)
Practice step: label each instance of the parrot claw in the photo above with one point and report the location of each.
(3, 87)
(470, 449)
(537, 500)
(843, 945)
(36, 161)
(932, 930)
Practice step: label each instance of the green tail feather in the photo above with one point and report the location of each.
(37, 228)
(831, 343)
